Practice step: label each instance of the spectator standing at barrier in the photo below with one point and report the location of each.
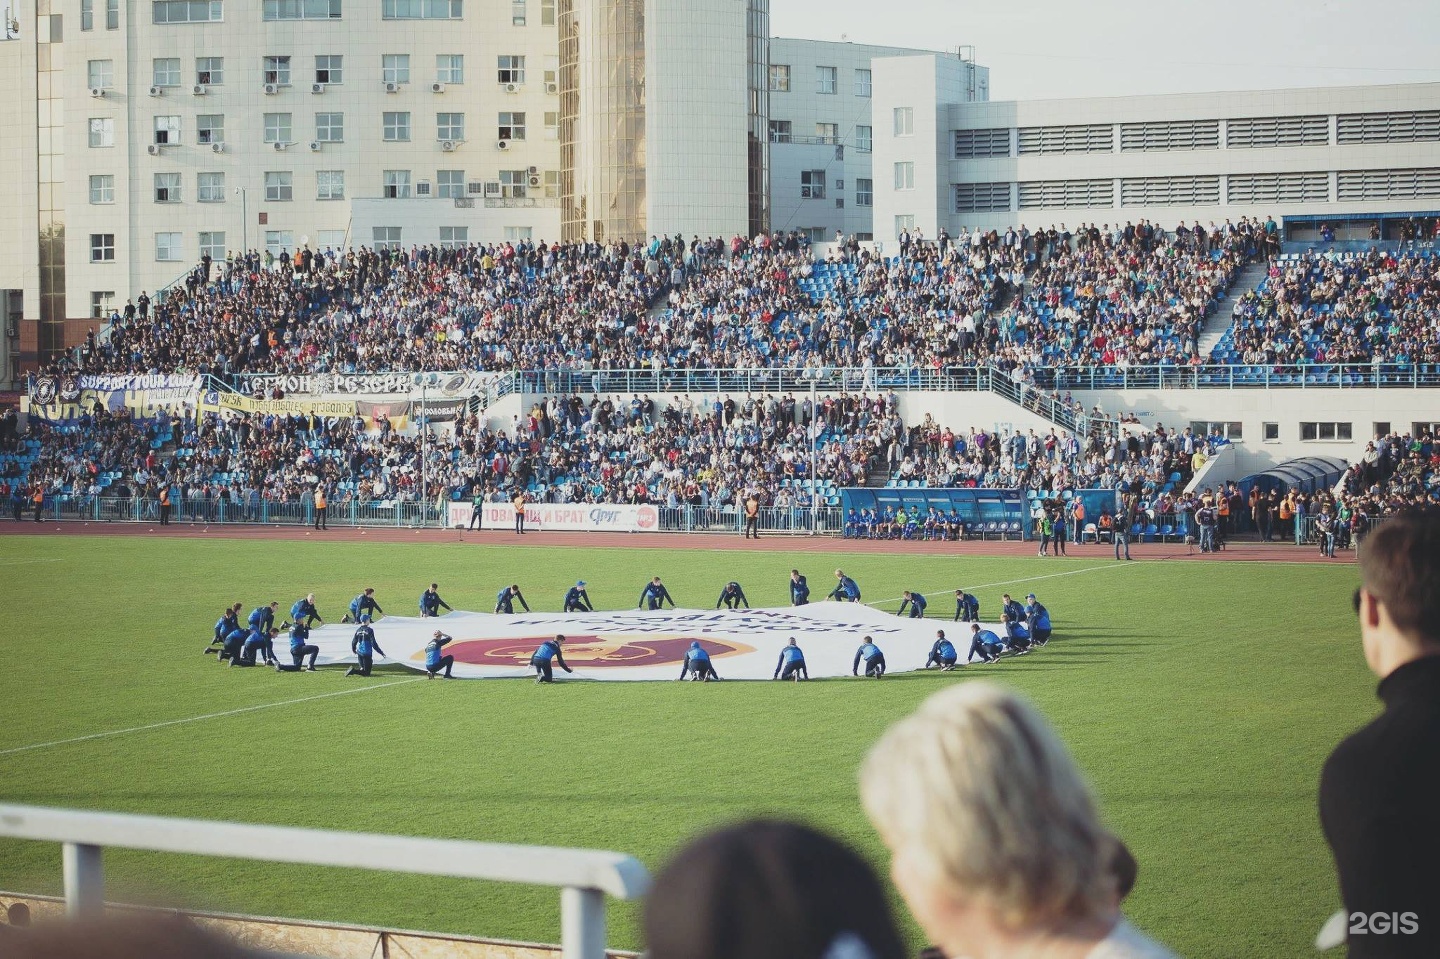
(791, 664)
(1207, 520)
(985, 643)
(942, 653)
(1047, 531)
(732, 596)
(916, 601)
(1378, 788)
(546, 658)
(872, 657)
(364, 646)
(300, 647)
(1037, 620)
(364, 604)
(163, 498)
(37, 497)
(577, 599)
(752, 517)
(967, 607)
(846, 589)
(697, 664)
(1060, 532)
(517, 502)
(435, 660)
(654, 596)
(1325, 532)
(430, 602)
(506, 599)
(799, 589)
(477, 509)
(1077, 514)
(1125, 507)
(322, 506)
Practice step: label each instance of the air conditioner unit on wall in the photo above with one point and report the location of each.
(552, 88)
(502, 144)
(314, 146)
(437, 87)
(271, 89)
(512, 88)
(153, 149)
(448, 145)
(279, 146)
(199, 90)
(391, 86)
(217, 147)
(534, 180)
(97, 91)
(317, 88)
(157, 92)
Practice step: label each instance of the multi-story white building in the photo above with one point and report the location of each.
(1349, 155)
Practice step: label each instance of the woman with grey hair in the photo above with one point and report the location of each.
(995, 839)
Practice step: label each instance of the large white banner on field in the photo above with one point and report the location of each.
(651, 645)
(567, 517)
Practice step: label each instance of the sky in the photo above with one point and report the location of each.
(1041, 49)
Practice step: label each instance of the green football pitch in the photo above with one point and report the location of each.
(1200, 698)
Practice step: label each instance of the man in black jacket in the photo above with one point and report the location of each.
(1379, 787)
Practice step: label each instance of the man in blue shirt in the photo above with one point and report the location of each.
(299, 649)
(654, 596)
(542, 658)
(984, 642)
(874, 660)
(577, 599)
(506, 599)
(234, 646)
(967, 607)
(430, 601)
(258, 641)
(791, 663)
(304, 609)
(846, 590)
(363, 605)
(943, 653)
(228, 622)
(917, 603)
(799, 589)
(1037, 618)
(364, 646)
(263, 617)
(697, 664)
(1017, 636)
(434, 661)
(732, 596)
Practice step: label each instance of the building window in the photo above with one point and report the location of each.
(279, 186)
(330, 240)
(903, 222)
(827, 132)
(330, 127)
(1270, 432)
(779, 131)
(1326, 432)
(450, 68)
(330, 185)
(100, 74)
(277, 70)
(166, 72)
(167, 130)
(512, 126)
(102, 304)
(395, 68)
(864, 192)
(905, 175)
(812, 184)
(301, 9)
(904, 121)
(210, 187)
(279, 241)
(513, 183)
(779, 78)
(825, 81)
(329, 69)
(396, 185)
(450, 126)
(517, 234)
(212, 244)
(864, 139)
(167, 247)
(102, 248)
(87, 14)
(421, 9)
(552, 183)
(397, 127)
(102, 189)
(278, 128)
(517, 12)
(173, 11)
(454, 237)
(547, 13)
(862, 83)
(552, 125)
(102, 132)
(386, 237)
(167, 188)
(552, 68)
(112, 14)
(510, 69)
(210, 128)
(209, 71)
(450, 184)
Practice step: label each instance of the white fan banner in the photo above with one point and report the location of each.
(566, 517)
(651, 645)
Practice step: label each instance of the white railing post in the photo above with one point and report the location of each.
(84, 881)
(582, 923)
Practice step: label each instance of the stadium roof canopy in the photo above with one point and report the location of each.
(1309, 473)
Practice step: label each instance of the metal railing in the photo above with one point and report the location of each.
(798, 519)
(118, 509)
(584, 876)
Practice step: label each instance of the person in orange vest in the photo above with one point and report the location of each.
(164, 499)
(1077, 509)
(752, 517)
(321, 506)
(38, 498)
(1287, 513)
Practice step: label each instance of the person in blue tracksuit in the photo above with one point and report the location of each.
(917, 603)
(791, 663)
(874, 660)
(799, 589)
(363, 605)
(260, 642)
(263, 617)
(430, 601)
(234, 645)
(732, 596)
(654, 596)
(228, 622)
(1037, 619)
(434, 660)
(967, 607)
(943, 653)
(1017, 635)
(542, 659)
(846, 590)
(300, 647)
(697, 664)
(304, 609)
(577, 599)
(984, 642)
(364, 646)
(506, 599)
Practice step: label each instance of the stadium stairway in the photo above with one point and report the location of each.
(1218, 322)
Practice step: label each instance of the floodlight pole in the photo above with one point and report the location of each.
(814, 458)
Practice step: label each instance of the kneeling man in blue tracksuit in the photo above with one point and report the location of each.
(434, 661)
(943, 653)
(917, 603)
(364, 646)
(984, 642)
(874, 660)
(542, 659)
(697, 664)
(791, 663)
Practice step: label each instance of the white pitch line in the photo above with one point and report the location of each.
(1010, 582)
(25, 562)
(196, 719)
